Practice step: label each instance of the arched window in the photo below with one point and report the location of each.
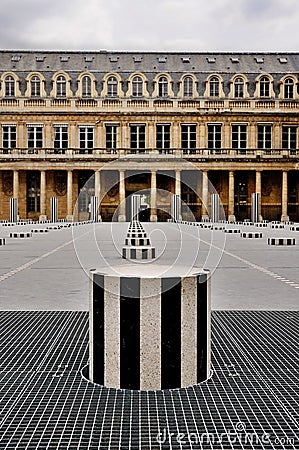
(61, 86)
(214, 87)
(86, 86)
(288, 88)
(239, 87)
(162, 87)
(188, 87)
(10, 86)
(112, 85)
(264, 87)
(137, 86)
(35, 85)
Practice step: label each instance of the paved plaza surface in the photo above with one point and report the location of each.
(251, 399)
(50, 270)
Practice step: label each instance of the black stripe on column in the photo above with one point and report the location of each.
(98, 328)
(202, 327)
(171, 333)
(130, 333)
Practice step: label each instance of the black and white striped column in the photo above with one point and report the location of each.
(53, 209)
(255, 207)
(149, 332)
(135, 206)
(13, 209)
(215, 207)
(175, 207)
(94, 208)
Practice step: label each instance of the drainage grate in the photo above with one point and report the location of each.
(251, 401)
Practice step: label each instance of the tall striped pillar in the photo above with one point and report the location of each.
(94, 208)
(135, 206)
(54, 209)
(147, 331)
(13, 210)
(215, 207)
(175, 207)
(255, 207)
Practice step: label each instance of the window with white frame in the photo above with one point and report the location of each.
(9, 135)
(61, 86)
(10, 89)
(289, 137)
(33, 190)
(188, 136)
(86, 137)
(137, 136)
(214, 87)
(112, 136)
(239, 88)
(86, 86)
(137, 86)
(264, 136)
(188, 87)
(61, 136)
(264, 87)
(35, 86)
(34, 136)
(288, 88)
(163, 87)
(214, 135)
(239, 136)
(112, 87)
(163, 136)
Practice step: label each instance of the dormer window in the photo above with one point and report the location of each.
(163, 87)
(288, 88)
(239, 87)
(188, 87)
(264, 87)
(214, 87)
(112, 86)
(86, 86)
(35, 86)
(137, 86)
(10, 90)
(61, 86)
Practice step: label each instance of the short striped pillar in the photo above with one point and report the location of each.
(175, 207)
(215, 207)
(149, 332)
(135, 206)
(255, 207)
(94, 208)
(13, 209)
(54, 209)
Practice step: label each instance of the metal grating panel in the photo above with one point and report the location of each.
(251, 401)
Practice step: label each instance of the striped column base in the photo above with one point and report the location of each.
(20, 235)
(135, 241)
(248, 223)
(261, 225)
(232, 230)
(280, 226)
(294, 228)
(2, 241)
(281, 241)
(140, 252)
(148, 331)
(41, 230)
(252, 235)
(217, 228)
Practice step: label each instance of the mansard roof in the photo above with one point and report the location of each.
(104, 61)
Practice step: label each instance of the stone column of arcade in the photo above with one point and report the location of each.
(153, 201)
(122, 197)
(178, 190)
(205, 194)
(43, 213)
(284, 197)
(231, 196)
(69, 216)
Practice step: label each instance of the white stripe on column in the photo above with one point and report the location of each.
(112, 332)
(189, 331)
(91, 355)
(150, 333)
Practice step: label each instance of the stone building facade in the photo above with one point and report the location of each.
(65, 116)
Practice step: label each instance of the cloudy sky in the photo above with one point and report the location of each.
(203, 25)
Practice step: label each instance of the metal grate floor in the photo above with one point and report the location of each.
(250, 402)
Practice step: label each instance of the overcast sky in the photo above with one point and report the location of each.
(190, 25)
